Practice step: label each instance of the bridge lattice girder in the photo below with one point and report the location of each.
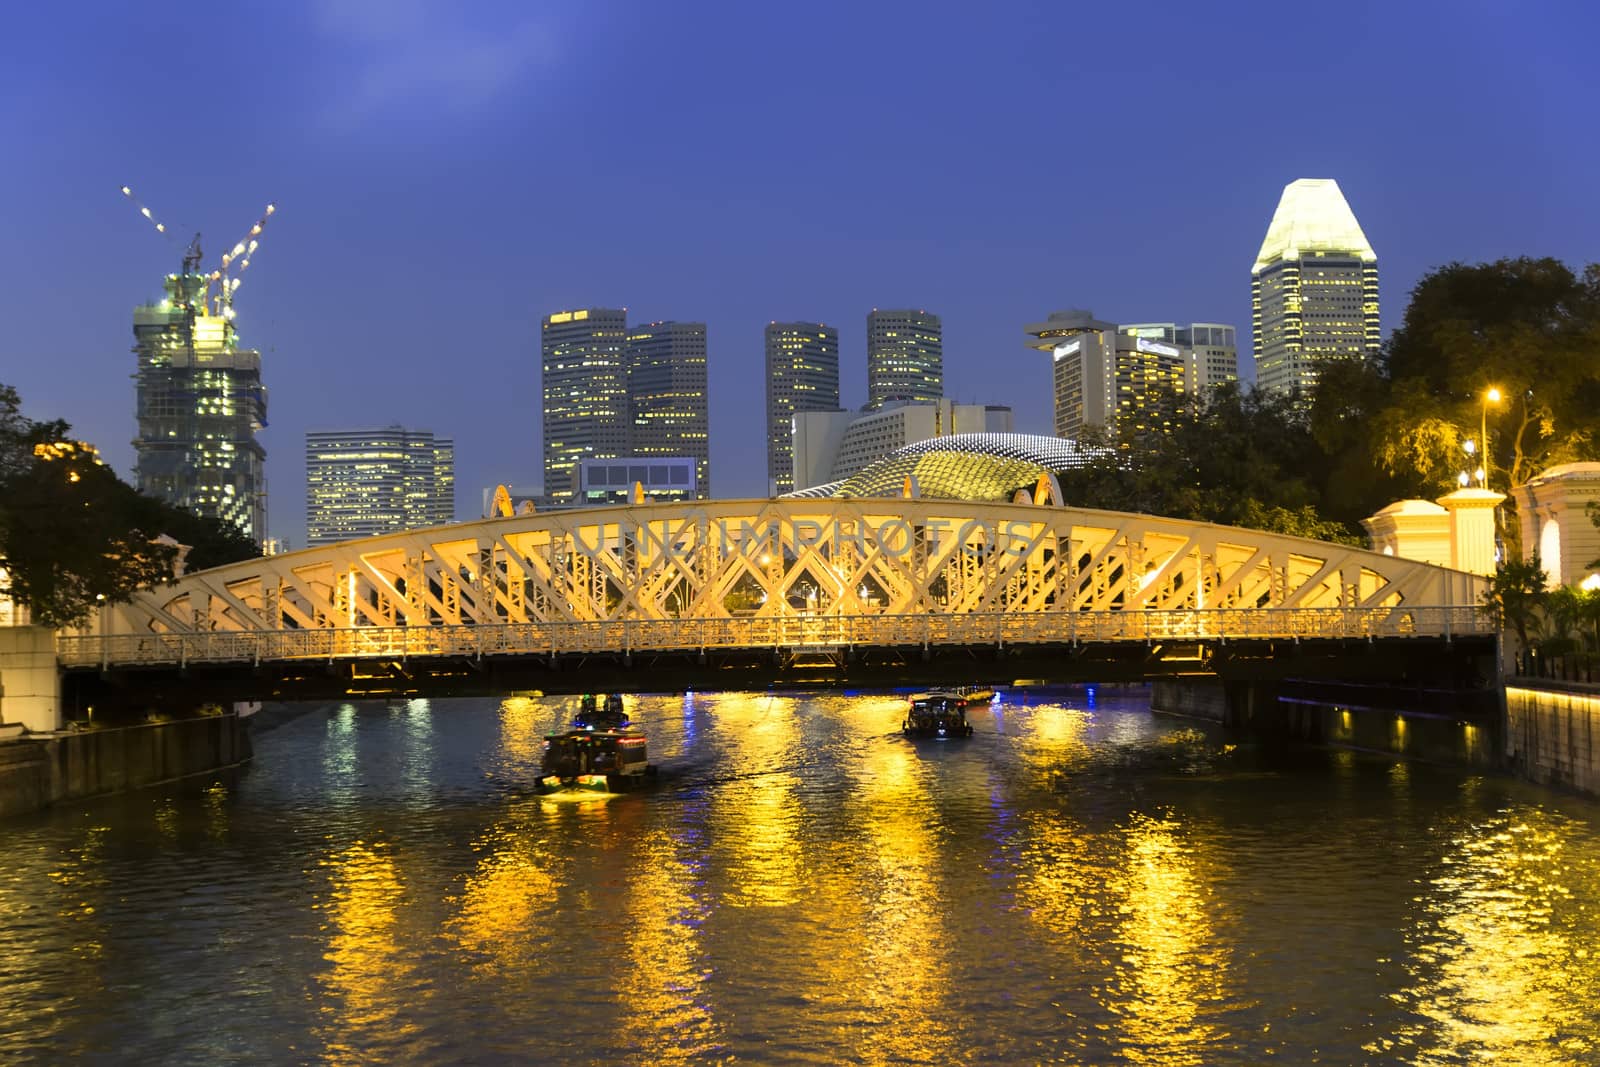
(783, 559)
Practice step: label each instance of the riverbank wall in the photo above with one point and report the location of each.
(36, 772)
(1551, 733)
(1435, 725)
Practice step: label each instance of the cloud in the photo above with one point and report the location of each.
(430, 56)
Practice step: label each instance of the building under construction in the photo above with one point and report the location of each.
(200, 398)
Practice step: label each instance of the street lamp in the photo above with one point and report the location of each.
(1492, 396)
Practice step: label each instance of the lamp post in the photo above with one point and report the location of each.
(1491, 396)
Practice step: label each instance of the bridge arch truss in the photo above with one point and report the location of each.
(788, 571)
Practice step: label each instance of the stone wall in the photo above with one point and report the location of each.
(38, 772)
(1551, 732)
(30, 684)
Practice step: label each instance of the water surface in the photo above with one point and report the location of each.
(1080, 882)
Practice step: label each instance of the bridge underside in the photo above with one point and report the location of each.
(1459, 664)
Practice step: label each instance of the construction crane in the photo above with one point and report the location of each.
(238, 255)
(233, 263)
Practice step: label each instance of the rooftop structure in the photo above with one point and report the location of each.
(968, 466)
(1313, 288)
(831, 445)
(612, 481)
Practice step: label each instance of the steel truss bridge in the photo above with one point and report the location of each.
(792, 579)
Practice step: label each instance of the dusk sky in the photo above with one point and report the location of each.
(447, 173)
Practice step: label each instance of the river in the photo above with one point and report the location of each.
(1080, 882)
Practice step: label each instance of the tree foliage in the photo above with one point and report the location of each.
(1243, 459)
(1515, 596)
(74, 535)
(1527, 327)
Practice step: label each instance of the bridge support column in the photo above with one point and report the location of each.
(30, 681)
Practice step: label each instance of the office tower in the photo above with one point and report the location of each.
(1213, 346)
(1128, 379)
(584, 392)
(802, 375)
(1083, 351)
(1216, 354)
(199, 404)
(1152, 380)
(668, 415)
(361, 483)
(905, 357)
(1313, 288)
(831, 445)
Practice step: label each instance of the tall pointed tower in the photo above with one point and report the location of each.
(1313, 289)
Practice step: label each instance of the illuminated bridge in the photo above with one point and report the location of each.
(701, 594)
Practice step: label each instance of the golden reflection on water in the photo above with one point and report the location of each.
(1496, 974)
(1058, 886)
(166, 818)
(367, 964)
(54, 948)
(666, 1017)
(759, 812)
(216, 807)
(1171, 971)
(505, 899)
(522, 723)
(1053, 737)
(902, 978)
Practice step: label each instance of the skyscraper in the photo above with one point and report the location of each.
(667, 394)
(905, 357)
(1083, 353)
(802, 375)
(1124, 378)
(584, 393)
(361, 483)
(1313, 288)
(199, 404)
(1212, 346)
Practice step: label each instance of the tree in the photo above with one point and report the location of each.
(73, 535)
(65, 541)
(1242, 459)
(1515, 596)
(1528, 327)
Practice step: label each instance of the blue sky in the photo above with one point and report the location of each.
(447, 173)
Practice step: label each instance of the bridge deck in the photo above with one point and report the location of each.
(785, 632)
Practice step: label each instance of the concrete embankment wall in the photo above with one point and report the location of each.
(1551, 730)
(1415, 724)
(38, 772)
(1204, 699)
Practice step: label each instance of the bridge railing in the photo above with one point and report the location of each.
(790, 632)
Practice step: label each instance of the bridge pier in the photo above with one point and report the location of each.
(30, 680)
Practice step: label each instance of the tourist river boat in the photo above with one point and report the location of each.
(934, 715)
(609, 760)
(601, 713)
